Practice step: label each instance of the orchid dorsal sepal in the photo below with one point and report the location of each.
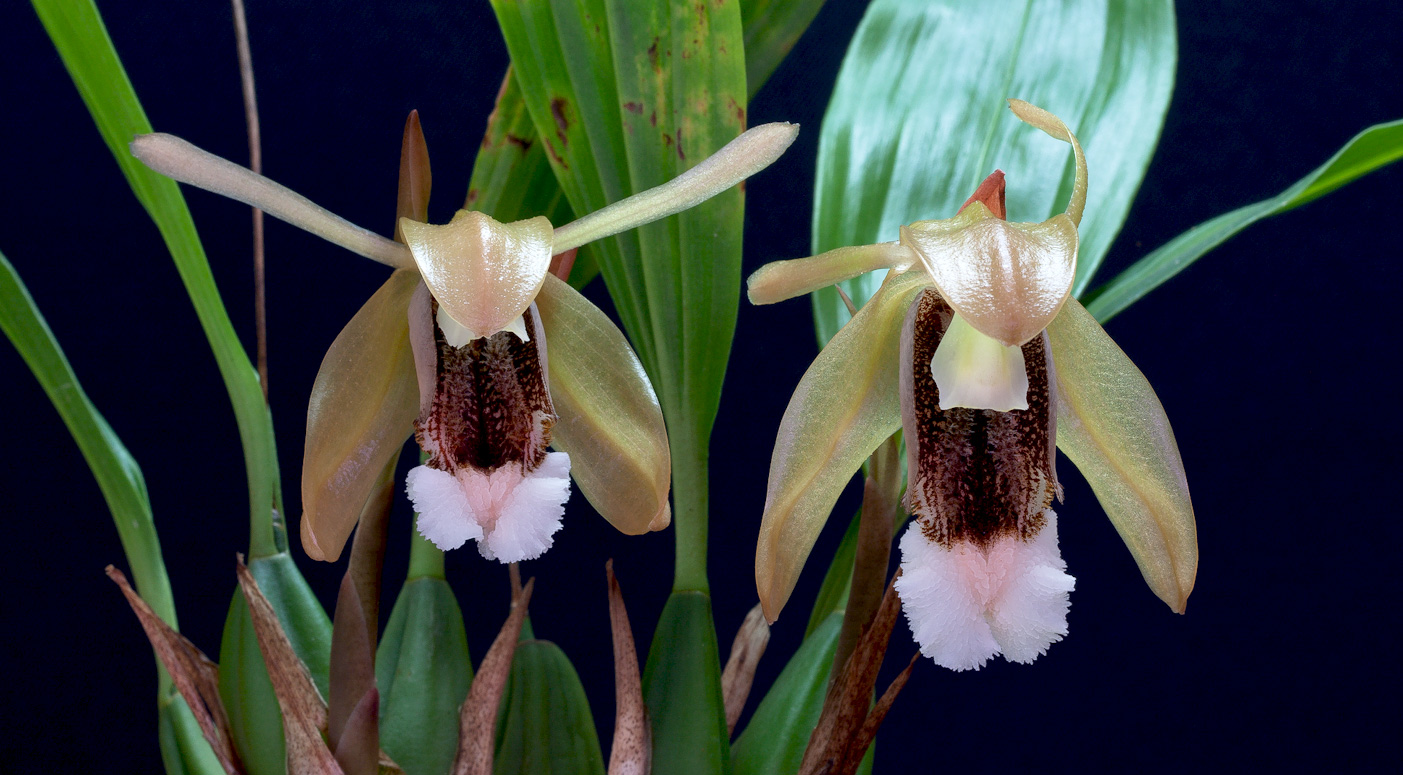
(754, 150)
(972, 370)
(1008, 280)
(1037, 117)
(781, 280)
(484, 273)
(182, 161)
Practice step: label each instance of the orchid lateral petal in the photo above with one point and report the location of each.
(780, 280)
(1113, 427)
(1007, 279)
(1047, 122)
(483, 273)
(754, 150)
(363, 406)
(843, 408)
(610, 421)
(178, 159)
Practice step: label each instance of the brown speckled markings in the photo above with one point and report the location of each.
(975, 474)
(491, 405)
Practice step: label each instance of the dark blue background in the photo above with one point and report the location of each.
(1275, 357)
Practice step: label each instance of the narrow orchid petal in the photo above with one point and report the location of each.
(1007, 279)
(744, 156)
(844, 407)
(483, 273)
(610, 421)
(780, 280)
(1042, 119)
(178, 159)
(363, 406)
(1113, 427)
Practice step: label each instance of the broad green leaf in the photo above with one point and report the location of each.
(254, 718)
(544, 726)
(682, 687)
(512, 180)
(82, 41)
(423, 673)
(183, 747)
(919, 118)
(775, 739)
(772, 27)
(1375, 147)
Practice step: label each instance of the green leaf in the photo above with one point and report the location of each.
(184, 750)
(772, 27)
(918, 119)
(1375, 147)
(255, 721)
(775, 739)
(81, 38)
(626, 96)
(423, 672)
(682, 687)
(117, 473)
(544, 726)
(183, 746)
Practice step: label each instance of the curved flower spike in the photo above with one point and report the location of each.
(475, 330)
(982, 572)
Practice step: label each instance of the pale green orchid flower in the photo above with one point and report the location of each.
(465, 318)
(974, 348)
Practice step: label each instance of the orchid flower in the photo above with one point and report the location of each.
(454, 345)
(975, 350)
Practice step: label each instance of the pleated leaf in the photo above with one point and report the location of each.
(544, 726)
(627, 96)
(918, 119)
(1375, 147)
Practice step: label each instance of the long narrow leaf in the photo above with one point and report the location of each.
(82, 41)
(918, 118)
(123, 487)
(1375, 147)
